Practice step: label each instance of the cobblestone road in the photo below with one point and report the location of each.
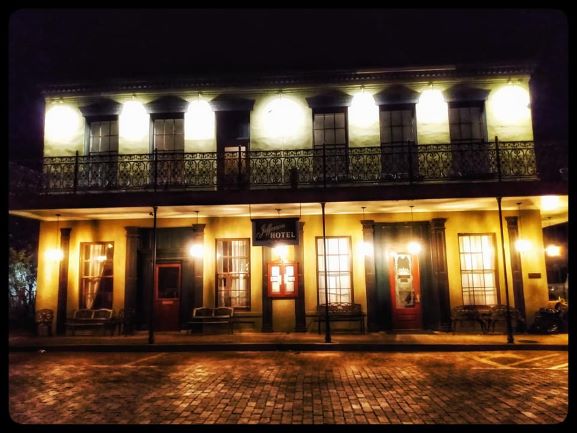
(289, 387)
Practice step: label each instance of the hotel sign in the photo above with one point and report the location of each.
(268, 232)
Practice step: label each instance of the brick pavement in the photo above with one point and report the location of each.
(289, 388)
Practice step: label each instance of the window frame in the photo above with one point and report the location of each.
(349, 240)
(166, 116)
(248, 279)
(83, 278)
(89, 121)
(460, 124)
(492, 238)
(331, 110)
(398, 107)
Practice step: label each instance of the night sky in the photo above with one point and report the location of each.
(76, 45)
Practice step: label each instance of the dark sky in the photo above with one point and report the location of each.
(72, 45)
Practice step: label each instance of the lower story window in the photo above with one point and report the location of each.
(96, 274)
(338, 270)
(478, 279)
(233, 273)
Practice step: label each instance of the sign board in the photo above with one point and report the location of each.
(268, 232)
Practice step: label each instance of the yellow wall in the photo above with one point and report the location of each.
(535, 290)
(289, 125)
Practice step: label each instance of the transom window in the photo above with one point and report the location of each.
(233, 273)
(397, 123)
(478, 279)
(96, 274)
(103, 136)
(330, 128)
(467, 122)
(169, 133)
(339, 277)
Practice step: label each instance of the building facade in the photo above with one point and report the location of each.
(405, 191)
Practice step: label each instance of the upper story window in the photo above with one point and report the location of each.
(330, 127)
(397, 123)
(467, 121)
(168, 132)
(103, 135)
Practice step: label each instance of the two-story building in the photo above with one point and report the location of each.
(164, 195)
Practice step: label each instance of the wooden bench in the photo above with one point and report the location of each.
(102, 318)
(341, 312)
(487, 316)
(214, 316)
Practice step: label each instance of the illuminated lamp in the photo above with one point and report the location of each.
(553, 250)
(511, 103)
(522, 245)
(363, 111)
(283, 115)
(196, 249)
(550, 202)
(413, 246)
(199, 120)
(56, 254)
(61, 122)
(281, 251)
(133, 120)
(432, 107)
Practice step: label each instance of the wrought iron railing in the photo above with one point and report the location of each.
(317, 167)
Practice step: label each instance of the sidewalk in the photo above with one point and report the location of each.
(307, 341)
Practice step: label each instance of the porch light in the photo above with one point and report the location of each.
(522, 245)
(283, 117)
(61, 122)
(199, 120)
(366, 248)
(196, 250)
(363, 111)
(511, 103)
(550, 202)
(281, 251)
(133, 120)
(56, 254)
(432, 107)
(553, 250)
(413, 246)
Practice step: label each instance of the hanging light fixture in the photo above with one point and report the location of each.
(414, 246)
(56, 253)
(521, 244)
(196, 249)
(366, 247)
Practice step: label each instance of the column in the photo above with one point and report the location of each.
(516, 270)
(370, 278)
(63, 281)
(300, 319)
(440, 274)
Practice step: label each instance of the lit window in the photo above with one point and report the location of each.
(478, 279)
(233, 273)
(338, 275)
(96, 274)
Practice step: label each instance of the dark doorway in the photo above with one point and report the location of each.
(167, 283)
(233, 145)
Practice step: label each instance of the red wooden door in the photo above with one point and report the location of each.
(167, 283)
(405, 291)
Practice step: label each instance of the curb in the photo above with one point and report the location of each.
(270, 347)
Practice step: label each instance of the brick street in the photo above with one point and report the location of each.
(518, 387)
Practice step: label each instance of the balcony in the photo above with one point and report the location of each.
(280, 169)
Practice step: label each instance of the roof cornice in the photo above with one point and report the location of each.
(336, 77)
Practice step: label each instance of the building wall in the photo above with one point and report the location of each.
(535, 290)
(284, 120)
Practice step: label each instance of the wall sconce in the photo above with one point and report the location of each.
(199, 120)
(511, 103)
(56, 254)
(61, 122)
(281, 251)
(413, 246)
(363, 111)
(133, 120)
(521, 244)
(432, 107)
(553, 250)
(196, 249)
